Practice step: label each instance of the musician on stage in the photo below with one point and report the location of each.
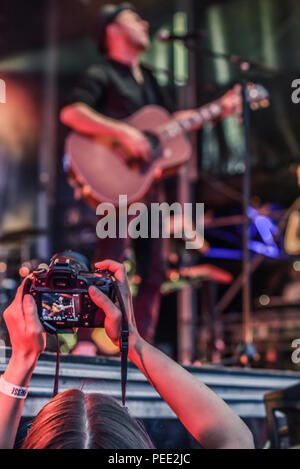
(108, 92)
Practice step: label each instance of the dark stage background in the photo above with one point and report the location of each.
(45, 46)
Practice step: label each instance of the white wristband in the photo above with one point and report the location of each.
(12, 390)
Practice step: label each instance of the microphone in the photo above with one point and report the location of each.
(166, 36)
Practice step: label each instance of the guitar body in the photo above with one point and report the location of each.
(103, 171)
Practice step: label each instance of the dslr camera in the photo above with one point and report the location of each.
(61, 293)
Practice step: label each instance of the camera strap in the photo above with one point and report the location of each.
(123, 344)
(56, 380)
(123, 339)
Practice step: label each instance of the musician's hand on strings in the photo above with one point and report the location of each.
(135, 142)
(113, 315)
(232, 102)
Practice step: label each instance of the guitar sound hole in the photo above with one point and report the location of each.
(156, 150)
(154, 142)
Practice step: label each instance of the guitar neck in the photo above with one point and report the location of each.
(200, 117)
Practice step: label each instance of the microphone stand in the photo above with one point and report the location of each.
(244, 65)
(246, 353)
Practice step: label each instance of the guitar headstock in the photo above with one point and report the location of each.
(257, 97)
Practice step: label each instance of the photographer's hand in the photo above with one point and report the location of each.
(28, 340)
(205, 415)
(113, 316)
(26, 333)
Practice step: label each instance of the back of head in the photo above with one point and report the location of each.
(74, 420)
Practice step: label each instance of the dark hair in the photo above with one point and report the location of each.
(106, 15)
(74, 420)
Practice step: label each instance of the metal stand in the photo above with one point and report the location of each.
(247, 346)
(246, 349)
(47, 151)
(186, 310)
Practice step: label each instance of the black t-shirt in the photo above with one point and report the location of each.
(111, 89)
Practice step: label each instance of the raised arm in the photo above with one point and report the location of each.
(28, 340)
(205, 415)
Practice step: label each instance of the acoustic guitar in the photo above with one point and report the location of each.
(101, 170)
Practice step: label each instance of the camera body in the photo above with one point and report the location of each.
(61, 293)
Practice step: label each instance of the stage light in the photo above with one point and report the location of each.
(264, 300)
(253, 93)
(220, 345)
(174, 276)
(18, 119)
(197, 363)
(244, 359)
(137, 279)
(271, 355)
(24, 271)
(127, 265)
(265, 103)
(296, 266)
(180, 53)
(245, 66)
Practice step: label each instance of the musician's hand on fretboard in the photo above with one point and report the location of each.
(231, 102)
